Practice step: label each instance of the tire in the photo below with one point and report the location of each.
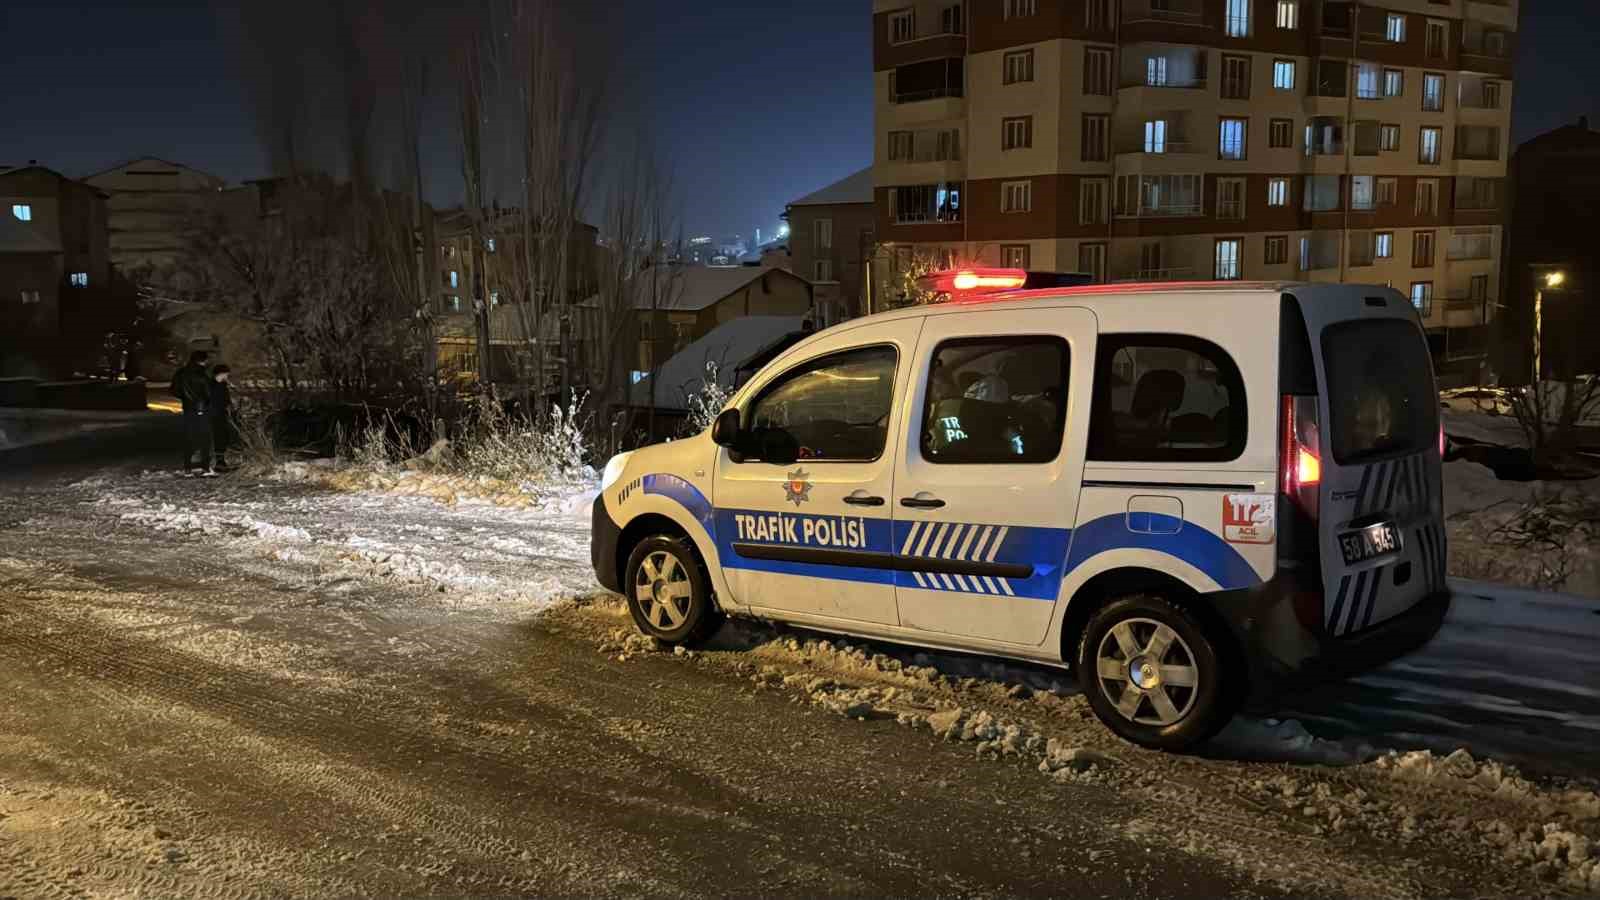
(669, 594)
(1173, 691)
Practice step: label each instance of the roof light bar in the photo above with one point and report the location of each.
(975, 279)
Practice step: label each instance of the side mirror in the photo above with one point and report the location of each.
(725, 430)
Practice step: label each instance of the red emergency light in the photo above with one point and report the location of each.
(966, 281)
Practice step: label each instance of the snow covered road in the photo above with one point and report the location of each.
(358, 693)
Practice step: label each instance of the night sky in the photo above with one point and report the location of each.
(752, 104)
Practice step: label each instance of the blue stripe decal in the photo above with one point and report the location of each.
(787, 529)
(1044, 549)
(1189, 542)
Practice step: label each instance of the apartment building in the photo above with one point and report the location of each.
(1155, 140)
(54, 254)
(151, 205)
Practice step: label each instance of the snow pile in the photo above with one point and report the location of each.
(565, 496)
(1491, 778)
(169, 517)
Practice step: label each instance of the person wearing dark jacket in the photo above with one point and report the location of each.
(192, 386)
(220, 413)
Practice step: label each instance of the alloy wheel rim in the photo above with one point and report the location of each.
(663, 591)
(1147, 672)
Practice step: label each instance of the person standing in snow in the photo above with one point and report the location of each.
(220, 412)
(192, 386)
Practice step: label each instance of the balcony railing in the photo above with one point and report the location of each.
(1140, 79)
(1165, 211)
(953, 90)
(1175, 273)
(1177, 13)
(1156, 148)
(1230, 209)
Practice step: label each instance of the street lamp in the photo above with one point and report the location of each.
(1548, 281)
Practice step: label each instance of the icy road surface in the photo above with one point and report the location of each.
(239, 687)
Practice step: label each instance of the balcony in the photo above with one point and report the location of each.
(1162, 67)
(1319, 252)
(1155, 148)
(1462, 312)
(1176, 273)
(928, 80)
(1168, 12)
(1477, 142)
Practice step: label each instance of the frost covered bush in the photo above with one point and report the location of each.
(706, 403)
(526, 451)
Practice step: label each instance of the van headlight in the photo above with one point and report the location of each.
(614, 470)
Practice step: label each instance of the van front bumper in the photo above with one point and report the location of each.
(604, 535)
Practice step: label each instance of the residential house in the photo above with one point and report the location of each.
(1555, 214)
(53, 245)
(693, 300)
(151, 205)
(1155, 140)
(725, 353)
(830, 235)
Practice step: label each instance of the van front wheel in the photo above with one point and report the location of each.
(669, 595)
(1153, 674)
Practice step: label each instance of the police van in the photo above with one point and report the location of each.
(1187, 493)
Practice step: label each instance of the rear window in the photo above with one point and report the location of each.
(1166, 397)
(1380, 386)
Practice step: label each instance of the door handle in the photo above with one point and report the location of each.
(863, 500)
(921, 503)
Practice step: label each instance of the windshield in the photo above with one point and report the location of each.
(1380, 385)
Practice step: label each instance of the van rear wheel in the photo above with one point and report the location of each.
(1153, 673)
(669, 595)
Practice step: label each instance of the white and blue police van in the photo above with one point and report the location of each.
(1190, 494)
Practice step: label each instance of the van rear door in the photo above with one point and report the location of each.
(1380, 513)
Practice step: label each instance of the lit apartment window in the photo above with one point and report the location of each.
(1388, 191)
(1231, 139)
(1361, 192)
(1016, 133)
(78, 279)
(1277, 192)
(1275, 250)
(1437, 39)
(1238, 18)
(1422, 250)
(1383, 245)
(22, 211)
(1280, 133)
(494, 298)
(1018, 67)
(455, 303)
(30, 297)
(822, 270)
(1016, 196)
(488, 244)
(1155, 71)
(1283, 74)
(1230, 198)
(1389, 137)
(1427, 197)
(1227, 259)
(1096, 71)
(1394, 29)
(1236, 77)
(822, 234)
(1432, 92)
(902, 26)
(1092, 201)
(1155, 136)
(1394, 82)
(1016, 9)
(1014, 256)
(1428, 154)
(1289, 14)
(1095, 147)
(1422, 297)
(455, 278)
(1368, 76)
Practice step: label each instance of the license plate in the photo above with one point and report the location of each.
(1370, 542)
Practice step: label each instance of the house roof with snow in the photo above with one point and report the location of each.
(855, 188)
(728, 345)
(700, 287)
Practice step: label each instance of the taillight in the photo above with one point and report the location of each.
(1301, 462)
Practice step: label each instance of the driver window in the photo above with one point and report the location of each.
(834, 408)
(996, 400)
